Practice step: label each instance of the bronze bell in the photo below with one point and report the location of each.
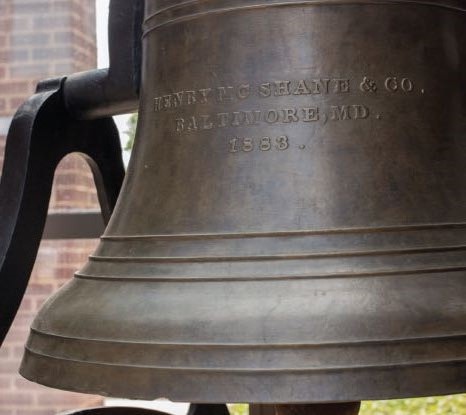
(292, 225)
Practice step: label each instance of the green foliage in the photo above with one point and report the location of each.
(444, 405)
(131, 131)
(238, 409)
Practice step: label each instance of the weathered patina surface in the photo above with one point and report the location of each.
(293, 223)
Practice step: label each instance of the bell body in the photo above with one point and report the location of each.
(293, 223)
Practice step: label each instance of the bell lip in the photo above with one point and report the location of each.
(140, 383)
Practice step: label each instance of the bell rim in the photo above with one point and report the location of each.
(415, 380)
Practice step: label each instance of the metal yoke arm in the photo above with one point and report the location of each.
(41, 134)
(45, 129)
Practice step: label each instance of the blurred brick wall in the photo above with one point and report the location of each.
(42, 39)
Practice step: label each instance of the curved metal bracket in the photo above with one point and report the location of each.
(118, 410)
(41, 134)
(194, 409)
(103, 92)
(208, 409)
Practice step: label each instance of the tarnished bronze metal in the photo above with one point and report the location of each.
(293, 223)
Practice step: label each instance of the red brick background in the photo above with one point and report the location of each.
(42, 39)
